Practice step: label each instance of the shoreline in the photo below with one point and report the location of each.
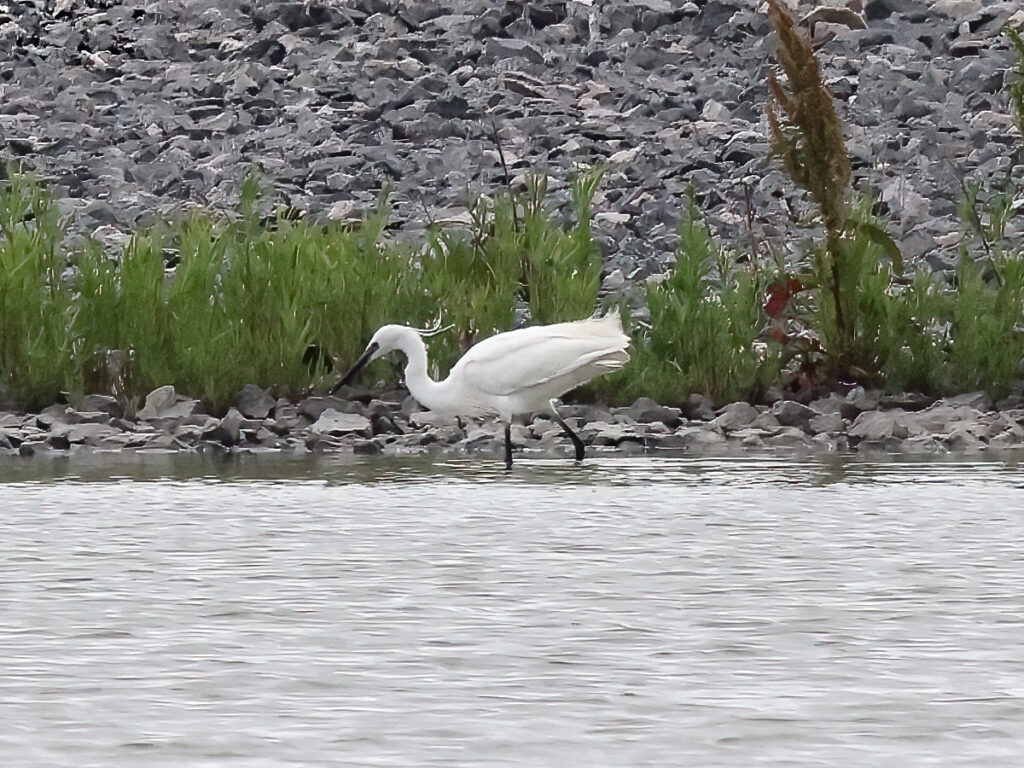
(364, 425)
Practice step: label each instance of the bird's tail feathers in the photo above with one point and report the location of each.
(611, 318)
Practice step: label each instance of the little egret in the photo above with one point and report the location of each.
(508, 374)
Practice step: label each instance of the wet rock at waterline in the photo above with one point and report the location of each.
(391, 427)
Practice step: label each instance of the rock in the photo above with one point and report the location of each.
(307, 91)
(102, 403)
(89, 433)
(908, 401)
(826, 423)
(792, 414)
(979, 401)
(227, 431)
(735, 416)
(700, 438)
(859, 400)
(844, 16)
(160, 443)
(961, 440)
(56, 414)
(878, 426)
(939, 418)
(254, 402)
(431, 419)
(669, 442)
(700, 407)
(645, 410)
(165, 403)
(313, 407)
(765, 421)
(788, 437)
(957, 9)
(604, 433)
(333, 422)
(8, 420)
(830, 404)
(446, 435)
(498, 49)
(367, 447)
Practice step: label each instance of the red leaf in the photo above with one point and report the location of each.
(779, 294)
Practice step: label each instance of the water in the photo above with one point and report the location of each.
(632, 612)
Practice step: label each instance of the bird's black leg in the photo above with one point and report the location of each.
(576, 442)
(508, 446)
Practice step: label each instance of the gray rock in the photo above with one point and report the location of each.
(227, 431)
(700, 407)
(878, 426)
(165, 403)
(333, 422)
(859, 400)
(668, 442)
(793, 414)
(908, 401)
(939, 419)
(367, 447)
(89, 433)
(830, 404)
(826, 423)
(604, 433)
(766, 421)
(10, 420)
(102, 403)
(788, 437)
(979, 401)
(160, 443)
(254, 402)
(962, 440)
(645, 410)
(700, 438)
(498, 49)
(735, 416)
(313, 407)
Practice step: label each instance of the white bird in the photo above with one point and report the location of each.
(511, 373)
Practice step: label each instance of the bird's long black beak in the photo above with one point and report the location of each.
(363, 360)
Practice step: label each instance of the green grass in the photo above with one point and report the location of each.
(209, 303)
(37, 313)
(704, 330)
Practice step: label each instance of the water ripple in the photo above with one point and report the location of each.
(629, 612)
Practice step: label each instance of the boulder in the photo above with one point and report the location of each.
(645, 410)
(793, 414)
(735, 416)
(102, 403)
(878, 426)
(254, 402)
(165, 403)
(332, 422)
(826, 424)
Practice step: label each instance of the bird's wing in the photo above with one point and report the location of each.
(515, 361)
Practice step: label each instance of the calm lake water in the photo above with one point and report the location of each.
(629, 612)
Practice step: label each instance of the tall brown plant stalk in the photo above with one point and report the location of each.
(808, 137)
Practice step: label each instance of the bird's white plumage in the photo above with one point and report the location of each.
(515, 372)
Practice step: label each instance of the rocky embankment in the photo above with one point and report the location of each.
(363, 424)
(133, 108)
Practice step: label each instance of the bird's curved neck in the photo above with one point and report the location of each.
(423, 388)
